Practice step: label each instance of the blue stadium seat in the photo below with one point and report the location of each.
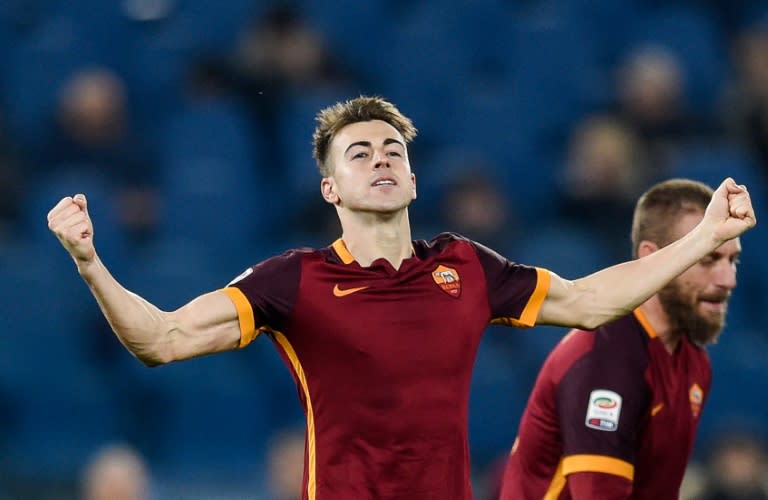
(213, 192)
(738, 381)
(37, 66)
(359, 33)
(295, 125)
(62, 410)
(503, 376)
(216, 415)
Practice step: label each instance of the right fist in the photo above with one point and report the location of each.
(70, 222)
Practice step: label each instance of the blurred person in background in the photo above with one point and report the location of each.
(737, 469)
(285, 459)
(604, 170)
(116, 472)
(651, 101)
(614, 411)
(380, 331)
(279, 55)
(474, 205)
(282, 49)
(95, 134)
(745, 105)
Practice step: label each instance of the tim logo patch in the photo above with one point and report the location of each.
(696, 395)
(448, 280)
(603, 410)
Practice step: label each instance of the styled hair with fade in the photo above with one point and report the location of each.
(360, 109)
(661, 206)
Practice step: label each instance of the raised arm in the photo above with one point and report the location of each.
(205, 325)
(615, 291)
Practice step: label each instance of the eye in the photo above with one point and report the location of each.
(394, 153)
(707, 261)
(361, 154)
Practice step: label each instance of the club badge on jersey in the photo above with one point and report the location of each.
(448, 280)
(603, 410)
(696, 395)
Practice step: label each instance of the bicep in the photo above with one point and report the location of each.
(558, 307)
(206, 325)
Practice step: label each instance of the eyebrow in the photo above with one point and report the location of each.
(368, 144)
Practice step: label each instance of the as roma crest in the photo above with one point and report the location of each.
(448, 280)
(696, 395)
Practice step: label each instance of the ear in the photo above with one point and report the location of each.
(646, 248)
(413, 186)
(328, 190)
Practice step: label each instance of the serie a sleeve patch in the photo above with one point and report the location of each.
(603, 410)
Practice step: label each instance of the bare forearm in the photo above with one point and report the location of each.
(141, 327)
(617, 290)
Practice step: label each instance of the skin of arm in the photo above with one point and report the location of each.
(615, 291)
(205, 325)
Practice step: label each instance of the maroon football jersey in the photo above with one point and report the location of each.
(382, 358)
(611, 401)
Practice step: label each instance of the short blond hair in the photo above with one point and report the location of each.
(662, 205)
(360, 109)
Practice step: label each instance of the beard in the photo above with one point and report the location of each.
(681, 307)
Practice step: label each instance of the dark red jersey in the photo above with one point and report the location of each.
(383, 358)
(612, 401)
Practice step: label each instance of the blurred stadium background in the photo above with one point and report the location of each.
(188, 123)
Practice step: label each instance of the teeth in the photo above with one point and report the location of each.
(383, 182)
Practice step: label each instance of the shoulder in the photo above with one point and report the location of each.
(448, 240)
(277, 264)
(618, 342)
(624, 341)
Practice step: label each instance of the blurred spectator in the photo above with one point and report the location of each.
(473, 204)
(651, 100)
(116, 472)
(280, 56)
(95, 132)
(605, 170)
(737, 469)
(286, 465)
(745, 105)
(282, 49)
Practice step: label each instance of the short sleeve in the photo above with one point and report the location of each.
(516, 292)
(264, 294)
(601, 404)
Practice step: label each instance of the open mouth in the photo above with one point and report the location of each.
(384, 182)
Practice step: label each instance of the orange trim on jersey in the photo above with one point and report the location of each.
(656, 409)
(643, 319)
(248, 330)
(302, 378)
(557, 485)
(341, 250)
(531, 311)
(598, 463)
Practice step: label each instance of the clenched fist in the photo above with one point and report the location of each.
(731, 210)
(70, 222)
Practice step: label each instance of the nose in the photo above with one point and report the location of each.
(380, 159)
(725, 275)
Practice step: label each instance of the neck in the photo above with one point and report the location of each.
(370, 236)
(659, 320)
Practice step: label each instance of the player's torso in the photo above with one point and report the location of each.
(403, 333)
(678, 385)
(387, 355)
